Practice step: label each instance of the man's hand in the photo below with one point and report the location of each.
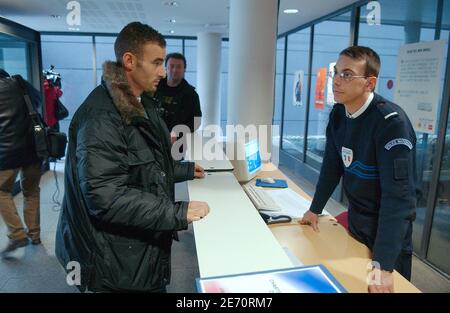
(312, 219)
(173, 137)
(197, 210)
(199, 172)
(381, 281)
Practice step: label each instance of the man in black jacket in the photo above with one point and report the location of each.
(179, 100)
(18, 154)
(119, 213)
(371, 144)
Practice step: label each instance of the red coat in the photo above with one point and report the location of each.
(52, 93)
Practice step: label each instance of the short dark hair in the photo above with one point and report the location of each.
(133, 37)
(372, 59)
(177, 56)
(3, 73)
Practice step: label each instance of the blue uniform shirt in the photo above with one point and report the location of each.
(375, 155)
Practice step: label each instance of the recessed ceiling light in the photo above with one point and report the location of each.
(290, 11)
(172, 31)
(171, 3)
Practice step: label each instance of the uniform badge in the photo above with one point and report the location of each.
(398, 142)
(347, 156)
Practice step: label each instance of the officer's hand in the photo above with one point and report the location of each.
(199, 172)
(381, 281)
(312, 219)
(197, 210)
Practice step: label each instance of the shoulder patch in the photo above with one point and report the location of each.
(397, 142)
(386, 109)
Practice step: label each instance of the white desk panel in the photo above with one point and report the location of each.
(232, 238)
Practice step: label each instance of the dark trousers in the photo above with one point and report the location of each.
(404, 261)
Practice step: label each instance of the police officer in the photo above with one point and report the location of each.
(371, 144)
(179, 100)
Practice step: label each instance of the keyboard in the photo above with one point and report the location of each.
(260, 198)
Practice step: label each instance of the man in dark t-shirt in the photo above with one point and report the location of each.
(180, 104)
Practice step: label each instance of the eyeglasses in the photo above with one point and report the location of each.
(345, 75)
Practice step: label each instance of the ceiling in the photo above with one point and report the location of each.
(191, 16)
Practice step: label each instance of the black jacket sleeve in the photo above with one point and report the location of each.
(330, 172)
(102, 165)
(197, 109)
(183, 171)
(395, 146)
(35, 96)
(192, 100)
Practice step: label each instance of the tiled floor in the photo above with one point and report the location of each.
(35, 268)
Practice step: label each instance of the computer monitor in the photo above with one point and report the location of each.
(246, 159)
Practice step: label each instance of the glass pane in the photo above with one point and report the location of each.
(330, 38)
(224, 85)
(191, 77)
(223, 100)
(104, 48)
(295, 92)
(278, 81)
(14, 57)
(190, 53)
(175, 45)
(105, 39)
(224, 65)
(397, 28)
(72, 58)
(66, 52)
(76, 86)
(446, 17)
(440, 230)
(445, 29)
(403, 22)
(277, 107)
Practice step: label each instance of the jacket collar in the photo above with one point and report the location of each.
(116, 83)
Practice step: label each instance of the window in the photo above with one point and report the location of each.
(295, 92)
(402, 22)
(190, 53)
(14, 57)
(104, 50)
(279, 73)
(174, 45)
(399, 27)
(440, 235)
(224, 86)
(330, 38)
(72, 58)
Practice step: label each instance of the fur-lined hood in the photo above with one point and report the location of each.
(117, 85)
